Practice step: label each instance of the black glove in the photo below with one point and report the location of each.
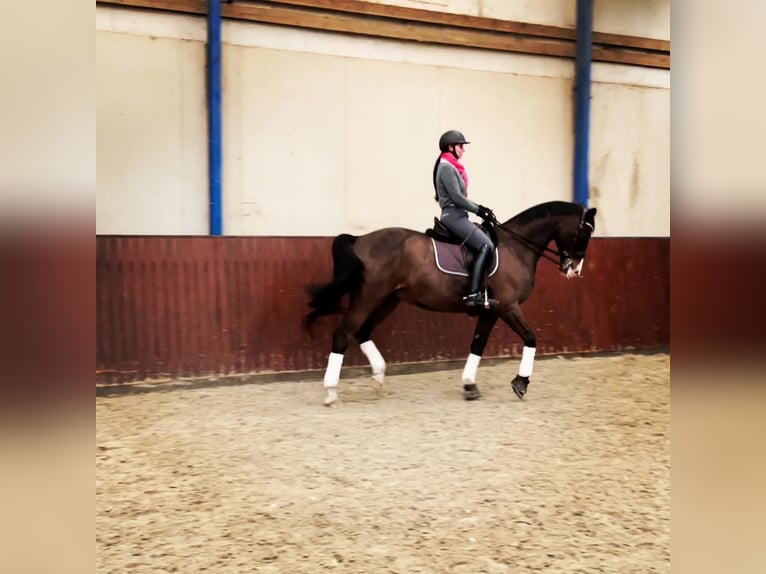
(486, 213)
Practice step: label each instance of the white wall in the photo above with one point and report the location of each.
(328, 133)
(630, 159)
(151, 163)
(319, 143)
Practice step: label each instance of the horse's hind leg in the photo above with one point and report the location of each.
(352, 322)
(377, 363)
(515, 320)
(480, 336)
(335, 361)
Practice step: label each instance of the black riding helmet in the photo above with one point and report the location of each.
(451, 137)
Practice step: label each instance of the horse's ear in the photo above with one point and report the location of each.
(590, 215)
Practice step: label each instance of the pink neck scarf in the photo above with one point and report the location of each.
(447, 156)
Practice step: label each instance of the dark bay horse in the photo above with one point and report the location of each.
(380, 269)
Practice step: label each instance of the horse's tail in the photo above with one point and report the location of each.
(347, 278)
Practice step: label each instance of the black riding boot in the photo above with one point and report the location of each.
(476, 294)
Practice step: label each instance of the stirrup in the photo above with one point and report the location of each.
(477, 299)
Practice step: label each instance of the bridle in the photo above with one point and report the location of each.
(544, 250)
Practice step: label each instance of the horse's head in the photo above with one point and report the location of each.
(572, 242)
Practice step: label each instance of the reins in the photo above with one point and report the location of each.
(541, 251)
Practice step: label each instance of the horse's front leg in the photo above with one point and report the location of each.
(484, 326)
(515, 319)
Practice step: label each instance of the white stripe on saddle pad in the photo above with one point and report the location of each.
(463, 273)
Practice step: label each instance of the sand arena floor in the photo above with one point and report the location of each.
(263, 478)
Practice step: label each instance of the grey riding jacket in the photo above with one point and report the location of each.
(451, 189)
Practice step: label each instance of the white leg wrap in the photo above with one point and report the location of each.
(527, 360)
(376, 360)
(332, 373)
(469, 371)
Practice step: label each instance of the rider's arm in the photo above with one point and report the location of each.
(448, 178)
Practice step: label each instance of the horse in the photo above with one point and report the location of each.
(382, 268)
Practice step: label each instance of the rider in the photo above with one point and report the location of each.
(451, 191)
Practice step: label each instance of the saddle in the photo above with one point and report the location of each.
(452, 256)
(439, 232)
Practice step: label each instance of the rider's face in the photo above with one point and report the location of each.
(459, 150)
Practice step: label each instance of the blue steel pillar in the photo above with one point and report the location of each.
(214, 114)
(582, 99)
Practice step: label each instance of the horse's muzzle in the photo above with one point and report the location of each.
(571, 267)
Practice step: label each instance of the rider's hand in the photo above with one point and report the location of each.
(486, 213)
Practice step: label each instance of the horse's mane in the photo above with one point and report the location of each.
(546, 209)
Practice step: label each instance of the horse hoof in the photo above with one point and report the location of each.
(471, 392)
(519, 386)
(331, 398)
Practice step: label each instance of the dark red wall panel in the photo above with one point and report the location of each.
(170, 307)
